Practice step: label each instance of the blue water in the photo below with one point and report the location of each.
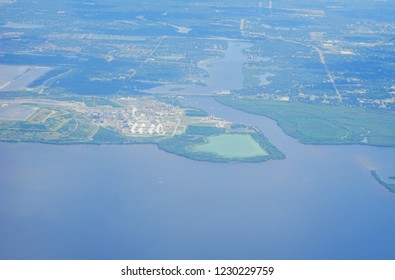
(137, 202)
(224, 74)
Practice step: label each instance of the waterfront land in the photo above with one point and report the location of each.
(390, 187)
(71, 73)
(128, 120)
(237, 143)
(231, 146)
(92, 80)
(322, 124)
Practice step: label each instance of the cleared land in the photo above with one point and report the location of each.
(15, 112)
(17, 77)
(231, 146)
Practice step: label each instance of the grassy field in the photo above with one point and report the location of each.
(231, 146)
(323, 124)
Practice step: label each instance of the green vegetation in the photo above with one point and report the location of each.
(322, 124)
(107, 136)
(126, 120)
(179, 145)
(49, 126)
(212, 144)
(194, 112)
(250, 78)
(273, 152)
(388, 186)
(93, 101)
(40, 115)
(204, 130)
(231, 146)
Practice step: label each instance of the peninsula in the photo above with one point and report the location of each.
(130, 120)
